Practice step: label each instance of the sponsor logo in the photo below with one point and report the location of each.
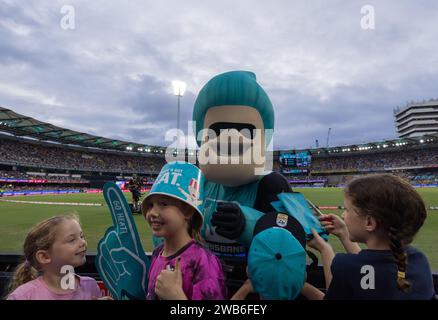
(282, 220)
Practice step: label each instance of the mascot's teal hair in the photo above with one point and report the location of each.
(238, 88)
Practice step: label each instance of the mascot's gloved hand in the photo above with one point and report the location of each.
(228, 220)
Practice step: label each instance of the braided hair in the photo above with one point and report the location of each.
(398, 209)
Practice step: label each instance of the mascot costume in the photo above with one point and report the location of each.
(252, 218)
(253, 221)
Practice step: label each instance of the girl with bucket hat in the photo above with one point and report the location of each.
(181, 268)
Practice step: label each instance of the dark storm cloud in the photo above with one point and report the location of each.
(111, 76)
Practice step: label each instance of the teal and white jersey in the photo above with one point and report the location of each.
(213, 194)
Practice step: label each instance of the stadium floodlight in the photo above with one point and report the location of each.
(179, 87)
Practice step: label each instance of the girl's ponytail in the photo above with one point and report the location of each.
(23, 273)
(401, 259)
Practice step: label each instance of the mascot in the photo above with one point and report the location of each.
(246, 222)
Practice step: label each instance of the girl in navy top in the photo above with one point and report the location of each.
(384, 212)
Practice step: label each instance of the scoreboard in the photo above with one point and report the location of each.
(288, 159)
(296, 159)
(303, 159)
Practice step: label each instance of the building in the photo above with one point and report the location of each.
(417, 119)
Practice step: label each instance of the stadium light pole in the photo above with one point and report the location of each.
(328, 136)
(179, 88)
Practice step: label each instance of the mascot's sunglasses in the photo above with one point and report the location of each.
(245, 129)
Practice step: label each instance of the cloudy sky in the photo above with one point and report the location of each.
(111, 75)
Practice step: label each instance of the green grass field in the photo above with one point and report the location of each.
(17, 218)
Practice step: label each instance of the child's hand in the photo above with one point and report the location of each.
(247, 285)
(334, 224)
(243, 291)
(169, 284)
(317, 242)
(311, 293)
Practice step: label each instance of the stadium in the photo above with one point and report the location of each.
(47, 170)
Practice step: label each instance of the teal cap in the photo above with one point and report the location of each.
(277, 264)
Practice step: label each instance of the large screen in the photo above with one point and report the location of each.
(303, 159)
(298, 159)
(288, 159)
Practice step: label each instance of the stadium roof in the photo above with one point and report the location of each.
(23, 126)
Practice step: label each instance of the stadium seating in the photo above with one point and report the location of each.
(420, 167)
(40, 156)
(376, 161)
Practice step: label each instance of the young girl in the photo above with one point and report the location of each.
(383, 212)
(49, 246)
(181, 268)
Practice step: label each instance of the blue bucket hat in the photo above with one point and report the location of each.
(183, 181)
(277, 264)
(239, 88)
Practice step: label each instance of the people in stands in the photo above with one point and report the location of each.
(58, 157)
(375, 161)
